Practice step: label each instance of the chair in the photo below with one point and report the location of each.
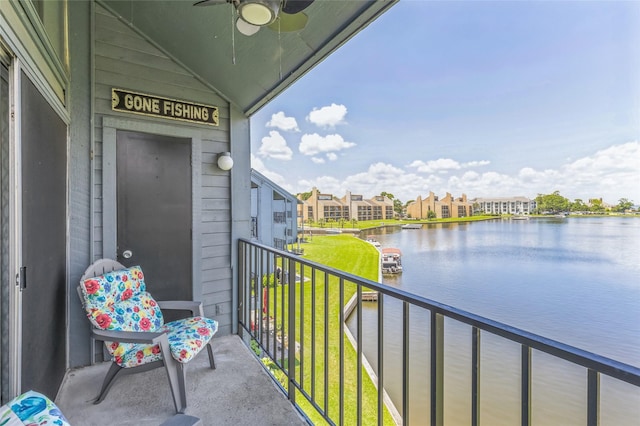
(130, 323)
(31, 408)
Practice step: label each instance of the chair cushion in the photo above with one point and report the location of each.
(31, 408)
(118, 300)
(189, 335)
(113, 287)
(129, 355)
(186, 338)
(140, 313)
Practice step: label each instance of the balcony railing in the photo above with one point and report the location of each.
(293, 314)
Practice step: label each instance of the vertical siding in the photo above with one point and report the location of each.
(124, 59)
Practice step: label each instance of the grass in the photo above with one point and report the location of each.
(355, 256)
(369, 224)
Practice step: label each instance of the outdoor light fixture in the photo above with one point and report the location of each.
(246, 28)
(225, 162)
(259, 12)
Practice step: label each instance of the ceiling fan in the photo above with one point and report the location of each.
(279, 15)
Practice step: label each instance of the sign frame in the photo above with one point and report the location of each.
(128, 101)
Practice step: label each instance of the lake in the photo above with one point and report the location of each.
(575, 280)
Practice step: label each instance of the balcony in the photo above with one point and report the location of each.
(237, 392)
(308, 322)
(303, 322)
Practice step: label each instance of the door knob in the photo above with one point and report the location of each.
(127, 254)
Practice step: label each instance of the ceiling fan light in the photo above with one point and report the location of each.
(259, 12)
(246, 28)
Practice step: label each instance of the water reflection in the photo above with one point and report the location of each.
(572, 280)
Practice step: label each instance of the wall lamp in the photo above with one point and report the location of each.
(225, 162)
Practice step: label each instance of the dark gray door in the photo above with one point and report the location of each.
(44, 200)
(154, 210)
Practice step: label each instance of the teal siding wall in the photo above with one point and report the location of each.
(125, 59)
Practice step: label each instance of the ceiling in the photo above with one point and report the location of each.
(246, 70)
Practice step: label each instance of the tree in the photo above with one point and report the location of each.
(623, 205)
(387, 194)
(431, 215)
(552, 203)
(578, 206)
(304, 196)
(398, 207)
(596, 205)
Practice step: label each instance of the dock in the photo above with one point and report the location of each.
(369, 296)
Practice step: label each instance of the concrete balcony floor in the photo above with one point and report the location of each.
(237, 392)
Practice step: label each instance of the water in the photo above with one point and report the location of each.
(575, 280)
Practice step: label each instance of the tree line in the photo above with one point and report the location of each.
(556, 203)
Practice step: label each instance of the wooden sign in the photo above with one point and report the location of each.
(139, 103)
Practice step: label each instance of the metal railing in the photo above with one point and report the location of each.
(292, 314)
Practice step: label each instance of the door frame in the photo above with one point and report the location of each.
(110, 126)
(17, 69)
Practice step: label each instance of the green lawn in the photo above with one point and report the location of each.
(369, 224)
(353, 255)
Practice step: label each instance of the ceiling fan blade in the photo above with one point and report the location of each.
(295, 6)
(211, 2)
(287, 23)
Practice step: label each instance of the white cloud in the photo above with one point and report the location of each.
(379, 177)
(317, 160)
(280, 121)
(275, 146)
(313, 144)
(444, 165)
(328, 116)
(479, 163)
(611, 173)
(332, 156)
(278, 179)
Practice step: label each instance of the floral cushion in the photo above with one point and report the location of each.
(189, 335)
(133, 354)
(119, 301)
(31, 408)
(186, 338)
(113, 287)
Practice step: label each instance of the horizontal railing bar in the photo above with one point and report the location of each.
(612, 368)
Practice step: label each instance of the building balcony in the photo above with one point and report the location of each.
(303, 345)
(238, 392)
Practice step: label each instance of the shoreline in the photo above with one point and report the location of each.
(334, 230)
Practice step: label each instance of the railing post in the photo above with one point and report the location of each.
(291, 329)
(359, 356)
(405, 363)
(380, 359)
(437, 369)
(242, 273)
(526, 386)
(475, 377)
(593, 397)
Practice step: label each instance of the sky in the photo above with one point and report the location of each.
(483, 98)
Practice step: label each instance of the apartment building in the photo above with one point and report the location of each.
(504, 205)
(328, 207)
(273, 212)
(443, 208)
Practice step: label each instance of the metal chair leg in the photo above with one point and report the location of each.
(212, 361)
(176, 373)
(116, 371)
(108, 381)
